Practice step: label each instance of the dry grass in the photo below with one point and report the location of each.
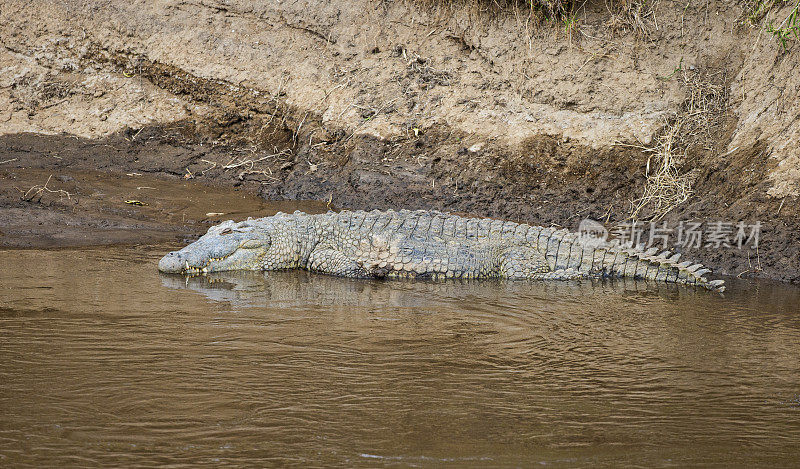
(637, 16)
(704, 109)
(40, 93)
(543, 9)
(691, 132)
(631, 15)
(666, 188)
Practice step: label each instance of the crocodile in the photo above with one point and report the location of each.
(423, 244)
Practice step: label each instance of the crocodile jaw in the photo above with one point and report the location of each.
(229, 246)
(177, 262)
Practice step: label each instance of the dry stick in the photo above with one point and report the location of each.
(229, 162)
(9, 161)
(250, 162)
(347, 108)
(758, 259)
(213, 163)
(749, 266)
(297, 132)
(54, 104)
(37, 190)
(137, 134)
(340, 85)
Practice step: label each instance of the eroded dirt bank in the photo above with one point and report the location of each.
(564, 189)
(372, 104)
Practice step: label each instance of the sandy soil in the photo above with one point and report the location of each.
(368, 104)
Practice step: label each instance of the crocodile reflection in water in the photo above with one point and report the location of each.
(292, 288)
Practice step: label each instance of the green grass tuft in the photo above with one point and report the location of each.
(785, 32)
(788, 29)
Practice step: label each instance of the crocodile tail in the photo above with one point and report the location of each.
(615, 261)
(564, 250)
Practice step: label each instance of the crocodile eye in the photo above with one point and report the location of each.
(252, 243)
(226, 231)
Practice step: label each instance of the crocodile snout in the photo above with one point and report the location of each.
(172, 263)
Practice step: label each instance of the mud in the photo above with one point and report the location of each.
(548, 182)
(59, 207)
(369, 104)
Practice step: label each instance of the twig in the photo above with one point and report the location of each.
(213, 163)
(249, 161)
(38, 190)
(297, 132)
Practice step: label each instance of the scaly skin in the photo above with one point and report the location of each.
(421, 244)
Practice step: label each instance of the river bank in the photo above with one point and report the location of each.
(394, 105)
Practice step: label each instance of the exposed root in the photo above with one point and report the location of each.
(238, 162)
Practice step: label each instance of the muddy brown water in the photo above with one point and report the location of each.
(106, 362)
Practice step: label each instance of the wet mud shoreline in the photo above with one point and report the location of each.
(364, 104)
(185, 185)
(62, 207)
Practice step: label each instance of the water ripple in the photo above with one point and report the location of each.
(118, 365)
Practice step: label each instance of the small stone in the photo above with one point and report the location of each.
(476, 147)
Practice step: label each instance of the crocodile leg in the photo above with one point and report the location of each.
(334, 262)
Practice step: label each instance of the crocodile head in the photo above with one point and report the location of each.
(227, 246)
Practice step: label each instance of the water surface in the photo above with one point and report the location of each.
(106, 362)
